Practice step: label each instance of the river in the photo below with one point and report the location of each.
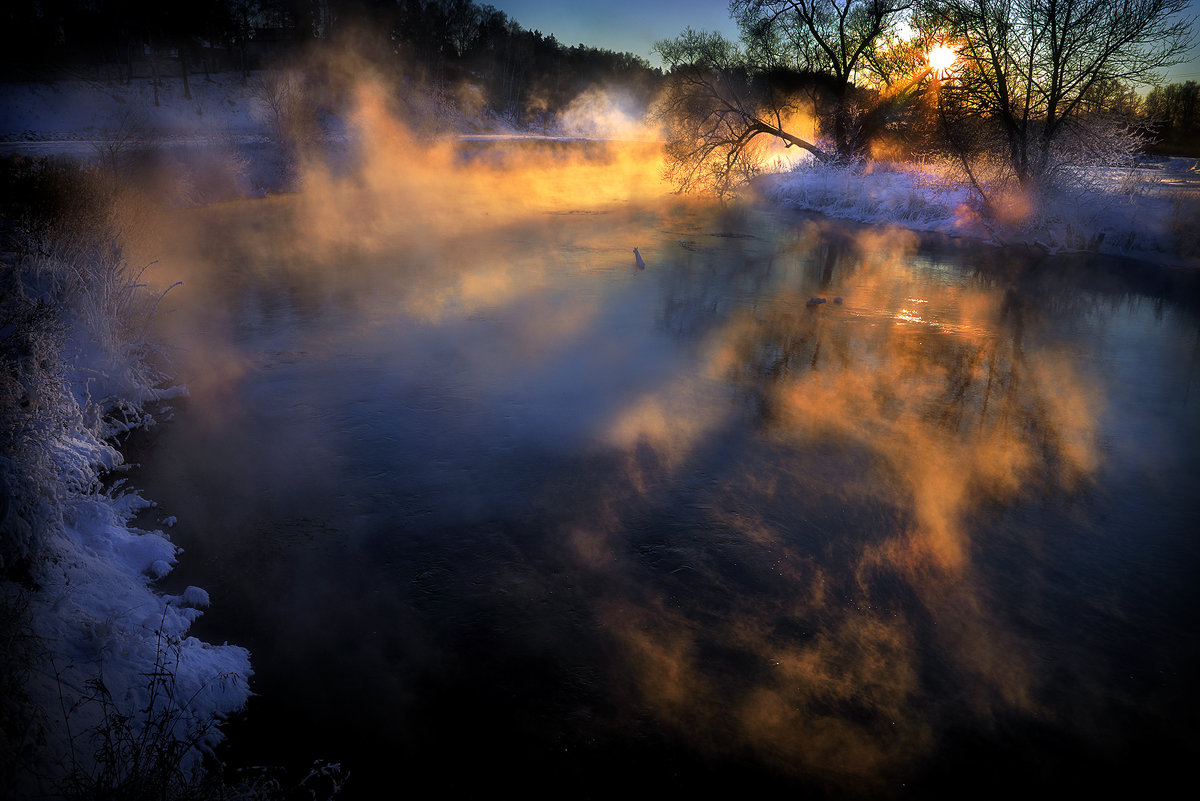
(493, 508)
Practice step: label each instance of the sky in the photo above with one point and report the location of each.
(631, 26)
(635, 25)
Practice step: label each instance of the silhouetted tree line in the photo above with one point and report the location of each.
(520, 71)
(1174, 113)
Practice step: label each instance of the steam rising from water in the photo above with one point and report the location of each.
(431, 227)
(842, 559)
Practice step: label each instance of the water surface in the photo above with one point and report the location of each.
(494, 508)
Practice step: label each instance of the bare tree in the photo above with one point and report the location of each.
(463, 19)
(1174, 112)
(714, 110)
(1033, 72)
(116, 145)
(837, 38)
(292, 112)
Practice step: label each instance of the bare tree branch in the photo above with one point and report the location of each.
(713, 114)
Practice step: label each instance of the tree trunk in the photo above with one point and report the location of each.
(183, 70)
(154, 74)
(790, 139)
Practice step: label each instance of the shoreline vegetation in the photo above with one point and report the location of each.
(105, 694)
(108, 695)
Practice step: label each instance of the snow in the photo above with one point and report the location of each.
(194, 596)
(85, 119)
(82, 111)
(1147, 211)
(101, 617)
(216, 145)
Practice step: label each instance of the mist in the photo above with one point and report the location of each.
(791, 502)
(778, 522)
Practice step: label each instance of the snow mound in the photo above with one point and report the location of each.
(1147, 211)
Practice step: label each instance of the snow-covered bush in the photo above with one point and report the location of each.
(119, 144)
(112, 663)
(918, 196)
(1132, 208)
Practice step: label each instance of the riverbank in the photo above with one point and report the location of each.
(215, 139)
(106, 694)
(1144, 211)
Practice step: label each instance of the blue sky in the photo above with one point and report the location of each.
(635, 25)
(623, 25)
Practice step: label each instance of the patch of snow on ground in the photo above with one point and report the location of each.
(64, 112)
(1148, 211)
(113, 643)
(215, 145)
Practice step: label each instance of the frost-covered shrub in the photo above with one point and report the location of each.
(118, 366)
(1116, 207)
(1184, 210)
(123, 143)
(77, 367)
(31, 379)
(917, 196)
(72, 319)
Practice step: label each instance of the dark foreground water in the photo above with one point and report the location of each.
(496, 510)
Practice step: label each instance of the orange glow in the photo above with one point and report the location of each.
(955, 415)
(941, 60)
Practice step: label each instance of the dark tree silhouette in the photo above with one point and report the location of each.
(1174, 116)
(837, 38)
(713, 111)
(433, 46)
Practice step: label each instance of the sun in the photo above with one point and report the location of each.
(941, 59)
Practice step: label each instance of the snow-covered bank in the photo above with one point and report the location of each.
(115, 646)
(1147, 212)
(83, 111)
(116, 694)
(218, 138)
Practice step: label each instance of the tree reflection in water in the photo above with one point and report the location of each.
(840, 624)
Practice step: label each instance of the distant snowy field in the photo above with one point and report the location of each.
(214, 145)
(65, 117)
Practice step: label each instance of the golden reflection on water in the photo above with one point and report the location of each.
(951, 411)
